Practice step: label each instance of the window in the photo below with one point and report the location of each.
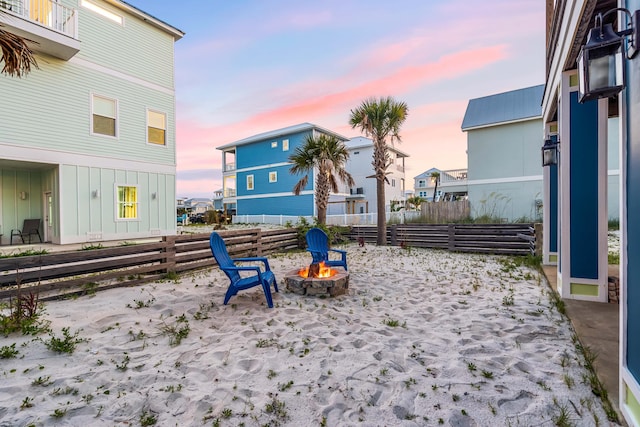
(249, 182)
(156, 127)
(104, 114)
(356, 152)
(273, 176)
(285, 145)
(127, 202)
(101, 11)
(422, 183)
(393, 182)
(274, 144)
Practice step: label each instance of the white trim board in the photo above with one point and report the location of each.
(38, 155)
(269, 195)
(505, 180)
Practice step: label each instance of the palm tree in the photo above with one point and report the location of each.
(381, 120)
(436, 179)
(415, 201)
(16, 54)
(329, 156)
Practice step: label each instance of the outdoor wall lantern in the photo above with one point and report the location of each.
(550, 153)
(600, 66)
(24, 195)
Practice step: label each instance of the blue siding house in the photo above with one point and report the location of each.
(256, 177)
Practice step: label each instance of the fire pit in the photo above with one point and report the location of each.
(318, 280)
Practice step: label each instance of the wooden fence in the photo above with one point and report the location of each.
(79, 272)
(507, 239)
(445, 212)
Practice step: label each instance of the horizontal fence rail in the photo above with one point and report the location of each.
(84, 271)
(506, 239)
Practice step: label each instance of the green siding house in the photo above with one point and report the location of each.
(87, 141)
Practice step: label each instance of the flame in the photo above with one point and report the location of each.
(324, 272)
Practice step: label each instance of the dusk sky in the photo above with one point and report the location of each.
(249, 66)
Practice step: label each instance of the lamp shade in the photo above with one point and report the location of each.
(549, 153)
(600, 66)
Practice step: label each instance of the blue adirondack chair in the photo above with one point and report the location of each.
(264, 278)
(318, 245)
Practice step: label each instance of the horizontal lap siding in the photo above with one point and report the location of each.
(286, 205)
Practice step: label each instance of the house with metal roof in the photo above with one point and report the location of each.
(448, 185)
(504, 134)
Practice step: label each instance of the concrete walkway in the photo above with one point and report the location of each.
(597, 325)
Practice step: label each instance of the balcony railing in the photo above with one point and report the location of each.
(230, 167)
(47, 13)
(229, 192)
(454, 175)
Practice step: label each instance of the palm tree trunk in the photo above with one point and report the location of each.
(382, 215)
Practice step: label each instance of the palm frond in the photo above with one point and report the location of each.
(16, 55)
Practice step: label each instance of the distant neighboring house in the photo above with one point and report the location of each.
(505, 135)
(256, 177)
(198, 205)
(218, 195)
(452, 185)
(504, 138)
(87, 141)
(362, 197)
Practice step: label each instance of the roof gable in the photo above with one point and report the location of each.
(302, 127)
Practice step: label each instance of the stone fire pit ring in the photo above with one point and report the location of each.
(338, 284)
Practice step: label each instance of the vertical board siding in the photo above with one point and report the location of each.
(631, 333)
(584, 188)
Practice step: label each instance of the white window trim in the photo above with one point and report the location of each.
(273, 174)
(274, 144)
(117, 128)
(117, 203)
(146, 129)
(285, 145)
(253, 182)
(105, 13)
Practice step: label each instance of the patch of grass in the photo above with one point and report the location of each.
(8, 351)
(24, 315)
(176, 332)
(91, 247)
(394, 323)
(613, 258)
(28, 252)
(66, 344)
(487, 374)
(27, 402)
(597, 387)
(59, 413)
(147, 419)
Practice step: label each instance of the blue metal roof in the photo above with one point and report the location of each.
(302, 127)
(504, 107)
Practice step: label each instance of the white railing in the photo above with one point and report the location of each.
(230, 192)
(230, 167)
(46, 13)
(343, 219)
(454, 175)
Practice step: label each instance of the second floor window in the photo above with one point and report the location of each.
(104, 116)
(285, 145)
(273, 176)
(156, 127)
(249, 182)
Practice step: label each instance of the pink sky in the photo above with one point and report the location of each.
(250, 67)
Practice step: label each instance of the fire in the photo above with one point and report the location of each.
(323, 271)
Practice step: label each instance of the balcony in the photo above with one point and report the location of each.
(456, 176)
(52, 27)
(229, 192)
(230, 167)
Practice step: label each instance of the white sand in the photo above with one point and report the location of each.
(461, 354)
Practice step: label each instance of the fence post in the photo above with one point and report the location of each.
(170, 253)
(394, 235)
(451, 243)
(259, 250)
(537, 230)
